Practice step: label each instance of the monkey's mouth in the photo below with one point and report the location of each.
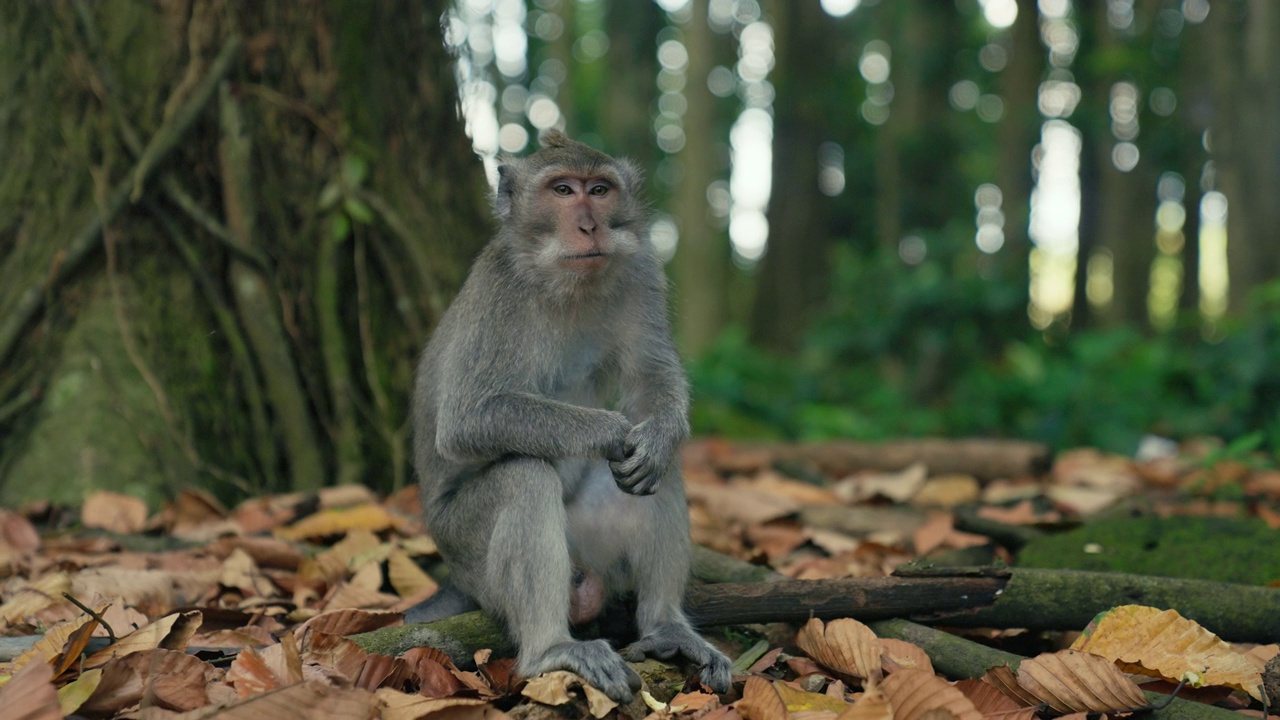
(592, 259)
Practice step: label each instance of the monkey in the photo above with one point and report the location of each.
(549, 408)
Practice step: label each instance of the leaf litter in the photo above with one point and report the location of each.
(246, 612)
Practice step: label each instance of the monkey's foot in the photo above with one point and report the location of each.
(666, 641)
(596, 662)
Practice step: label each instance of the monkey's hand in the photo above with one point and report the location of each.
(649, 454)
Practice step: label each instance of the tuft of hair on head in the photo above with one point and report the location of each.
(554, 139)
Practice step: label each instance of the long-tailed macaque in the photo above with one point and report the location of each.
(549, 410)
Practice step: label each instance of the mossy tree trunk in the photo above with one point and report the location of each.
(225, 232)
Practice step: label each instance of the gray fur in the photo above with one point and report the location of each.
(549, 410)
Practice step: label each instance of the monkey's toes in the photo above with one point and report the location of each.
(597, 663)
(717, 673)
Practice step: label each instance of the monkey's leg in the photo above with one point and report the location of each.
(659, 559)
(448, 601)
(504, 534)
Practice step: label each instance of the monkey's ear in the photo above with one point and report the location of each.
(554, 139)
(630, 174)
(505, 196)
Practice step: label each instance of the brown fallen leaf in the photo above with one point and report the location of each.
(799, 701)
(760, 701)
(398, 705)
(1162, 643)
(311, 700)
(845, 645)
(993, 704)
(171, 632)
(915, 693)
(899, 654)
(49, 648)
(371, 517)
(338, 653)
(170, 679)
(240, 572)
(433, 671)
(947, 491)
(898, 487)
(741, 505)
(30, 599)
(406, 577)
(1003, 679)
(347, 621)
(553, 688)
(873, 705)
(74, 694)
(113, 512)
(250, 674)
(17, 535)
(1071, 681)
(29, 694)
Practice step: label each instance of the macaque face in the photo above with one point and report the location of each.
(583, 207)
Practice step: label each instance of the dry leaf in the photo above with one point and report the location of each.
(873, 705)
(113, 512)
(171, 632)
(311, 700)
(240, 572)
(250, 674)
(1002, 678)
(34, 597)
(48, 649)
(914, 693)
(398, 705)
(899, 654)
(845, 645)
(553, 689)
(74, 694)
(947, 491)
(406, 577)
(170, 679)
(348, 621)
(760, 701)
(29, 694)
(17, 534)
(1071, 681)
(371, 517)
(739, 505)
(797, 700)
(898, 487)
(993, 704)
(1162, 643)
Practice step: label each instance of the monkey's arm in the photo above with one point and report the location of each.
(655, 396)
(520, 423)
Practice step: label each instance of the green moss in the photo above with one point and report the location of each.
(1222, 549)
(99, 427)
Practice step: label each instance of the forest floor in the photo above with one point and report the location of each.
(199, 611)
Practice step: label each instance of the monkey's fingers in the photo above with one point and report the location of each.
(635, 477)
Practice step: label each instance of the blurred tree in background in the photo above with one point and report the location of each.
(226, 229)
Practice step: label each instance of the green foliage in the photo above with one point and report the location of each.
(924, 350)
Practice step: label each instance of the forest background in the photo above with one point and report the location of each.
(227, 228)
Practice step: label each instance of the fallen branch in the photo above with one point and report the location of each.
(1069, 599)
(984, 459)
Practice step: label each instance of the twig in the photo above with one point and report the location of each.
(93, 614)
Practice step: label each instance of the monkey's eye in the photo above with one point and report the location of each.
(599, 190)
(562, 189)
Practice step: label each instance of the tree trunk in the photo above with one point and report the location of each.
(793, 277)
(236, 317)
(702, 255)
(1245, 48)
(1019, 131)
